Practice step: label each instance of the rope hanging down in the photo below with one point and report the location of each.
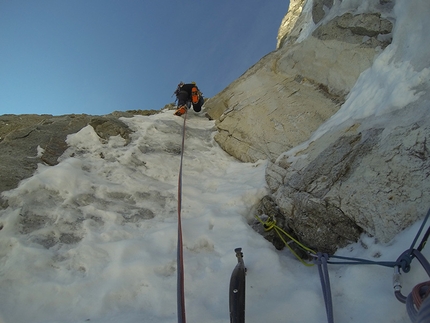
(417, 302)
(180, 257)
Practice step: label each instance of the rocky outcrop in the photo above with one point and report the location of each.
(356, 179)
(261, 122)
(27, 140)
(290, 27)
(362, 176)
(280, 101)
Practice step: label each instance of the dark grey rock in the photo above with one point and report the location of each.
(21, 135)
(351, 29)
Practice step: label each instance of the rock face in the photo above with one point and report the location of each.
(363, 176)
(288, 25)
(29, 139)
(22, 135)
(26, 140)
(280, 101)
(358, 179)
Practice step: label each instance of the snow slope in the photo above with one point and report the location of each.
(102, 243)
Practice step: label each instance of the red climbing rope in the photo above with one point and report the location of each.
(180, 257)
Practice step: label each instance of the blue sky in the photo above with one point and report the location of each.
(97, 56)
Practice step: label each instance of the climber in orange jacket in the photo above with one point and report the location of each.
(187, 95)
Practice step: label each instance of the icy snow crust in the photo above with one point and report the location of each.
(95, 236)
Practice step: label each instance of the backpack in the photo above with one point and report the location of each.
(195, 95)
